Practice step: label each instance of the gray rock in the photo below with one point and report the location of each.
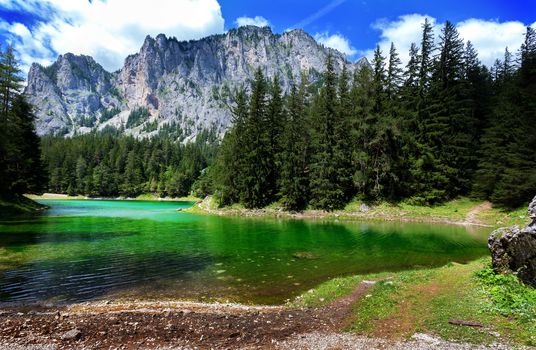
(364, 208)
(532, 211)
(513, 250)
(188, 83)
(73, 334)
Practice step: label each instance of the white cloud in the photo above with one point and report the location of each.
(258, 21)
(337, 42)
(402, 32)
(487, 36)
(491, 37)
(107, 30)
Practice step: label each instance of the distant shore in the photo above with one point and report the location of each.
(463, 211)
(142, 197)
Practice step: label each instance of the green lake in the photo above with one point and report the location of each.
(82, 250)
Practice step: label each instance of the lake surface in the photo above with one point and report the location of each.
(83, 250)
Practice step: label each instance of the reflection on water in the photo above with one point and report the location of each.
(83, 250)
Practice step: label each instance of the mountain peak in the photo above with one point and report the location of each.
(184, 84)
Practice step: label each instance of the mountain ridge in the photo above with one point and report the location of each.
(182, 85)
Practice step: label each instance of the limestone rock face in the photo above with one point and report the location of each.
(187, 84)
(513, 250)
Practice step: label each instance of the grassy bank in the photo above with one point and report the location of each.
(460, 211)
(401, 304)
(16, 205)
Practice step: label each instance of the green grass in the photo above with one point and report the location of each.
(18, 205)
(403, 303)
(327, 292)
(154, 197)
(455, 211)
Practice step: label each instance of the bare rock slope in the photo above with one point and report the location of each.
(184, 85)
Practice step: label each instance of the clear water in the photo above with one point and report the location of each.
(87, 249)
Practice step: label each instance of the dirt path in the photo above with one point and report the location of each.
(160, 325)
(471, 218)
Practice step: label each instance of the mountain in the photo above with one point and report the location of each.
(177, 86)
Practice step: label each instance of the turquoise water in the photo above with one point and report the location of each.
(91, 249)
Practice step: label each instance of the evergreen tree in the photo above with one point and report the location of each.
(257, 190)
(21, 168)
(363, 121)
(276, 120)
(326, 192)
(294, 181)
(228, 166)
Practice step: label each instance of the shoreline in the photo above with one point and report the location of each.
(143, 197)
(476, 214)
(317, 315)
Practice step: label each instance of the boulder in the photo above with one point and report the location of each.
(513, 250)
(73, 334)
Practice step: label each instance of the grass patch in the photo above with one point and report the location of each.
(155, 197)
(500, 217)
(404, 303)
(327, 292)
(18, 205)
(455, 210)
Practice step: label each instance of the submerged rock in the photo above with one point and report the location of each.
(513, 250)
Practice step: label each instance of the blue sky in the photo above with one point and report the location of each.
(110, 30)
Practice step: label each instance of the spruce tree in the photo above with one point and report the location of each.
(257, 191)
(294, 180)
(230, 159)
(326, 192)
(276, 120)
(363, 121)
(450, 124)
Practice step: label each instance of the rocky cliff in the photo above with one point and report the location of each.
(184, 86)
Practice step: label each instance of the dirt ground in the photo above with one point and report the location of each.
(184, 325)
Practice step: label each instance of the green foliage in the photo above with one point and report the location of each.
(294, 179)
(112, 165)
(388, 134)
(21, 168)
(507, 166)
(509, 296)
(137, 116)
(107, 114)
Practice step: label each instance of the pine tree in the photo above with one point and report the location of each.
(517, 184)
(428, 180)
(326, 192)
(257, 191)
(276, 120)
(21, 169)
(450, 124)
(363, 121)
(294, 180)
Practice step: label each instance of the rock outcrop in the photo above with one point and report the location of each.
(513, 250)
(185, 84)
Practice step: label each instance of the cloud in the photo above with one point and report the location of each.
(489, 37)
(337, 42)
(107, 30)
(405, 30)
(258, 21)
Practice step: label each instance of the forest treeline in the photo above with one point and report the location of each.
(110, 165)
(441, 127)
(21, 168)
